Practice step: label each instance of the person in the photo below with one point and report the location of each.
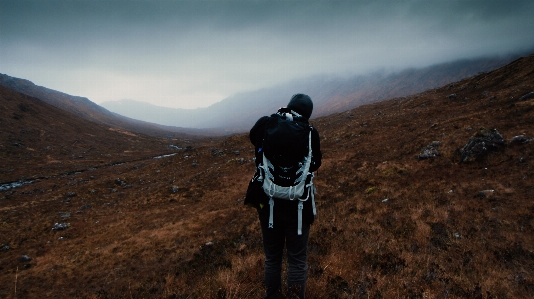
(286, 230)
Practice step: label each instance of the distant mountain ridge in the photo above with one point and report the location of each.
(238, 113)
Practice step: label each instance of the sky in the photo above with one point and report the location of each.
(190, 54)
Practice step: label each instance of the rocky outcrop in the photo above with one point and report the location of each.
(479, 145)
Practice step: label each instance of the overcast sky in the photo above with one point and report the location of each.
(188, 54)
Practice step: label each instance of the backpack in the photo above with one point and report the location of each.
(285, 166)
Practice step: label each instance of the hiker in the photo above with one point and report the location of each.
(285, 214)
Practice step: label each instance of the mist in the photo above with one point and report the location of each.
(190, 54)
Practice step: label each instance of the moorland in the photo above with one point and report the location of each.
(422, 196)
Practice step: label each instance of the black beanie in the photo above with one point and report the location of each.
(302, 104)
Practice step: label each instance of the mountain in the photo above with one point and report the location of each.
(421, 196)
(238, 113)
(86, 109)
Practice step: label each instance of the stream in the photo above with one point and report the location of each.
(20, 183)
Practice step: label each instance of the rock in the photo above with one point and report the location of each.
(175, 189)
(485, 193)
(481, 144)
(430, 151)
(25, 259)
(64, 214)
(527, 96)
(521, 139)
(120, 182)
(70, 194)
(216, 152)
(452, 96)
(61, 226)
(4, 247)
(86, 206)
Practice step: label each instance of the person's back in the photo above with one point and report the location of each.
(286, 208)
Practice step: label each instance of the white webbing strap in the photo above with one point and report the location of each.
(271, 187)
(294, 193)
(299, 228)
(313, 190)
(271, 205)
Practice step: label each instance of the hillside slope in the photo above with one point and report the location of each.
(84, 108)
(36, 139)
(391, 223)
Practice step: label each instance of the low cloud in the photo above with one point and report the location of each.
(194, 53)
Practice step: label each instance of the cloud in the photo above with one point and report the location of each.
(194, 53)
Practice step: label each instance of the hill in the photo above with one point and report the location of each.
(238, 113)
(38, 140)
(406, 208)
(84, 108)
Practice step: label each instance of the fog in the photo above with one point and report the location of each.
(189, 54)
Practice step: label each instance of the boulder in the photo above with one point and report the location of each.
(527, 96)
(521, 139)
(25, 259)
(70, 194)
(430, 151)
(485, 193)
(479, 145)
(174, 189)
(60, 226)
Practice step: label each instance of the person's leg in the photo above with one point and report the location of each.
(273, 246)
(297, 258)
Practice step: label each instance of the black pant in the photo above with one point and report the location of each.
(284, 232)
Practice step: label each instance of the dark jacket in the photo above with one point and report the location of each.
(285, 207)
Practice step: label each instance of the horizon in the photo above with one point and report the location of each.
(191, 54)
